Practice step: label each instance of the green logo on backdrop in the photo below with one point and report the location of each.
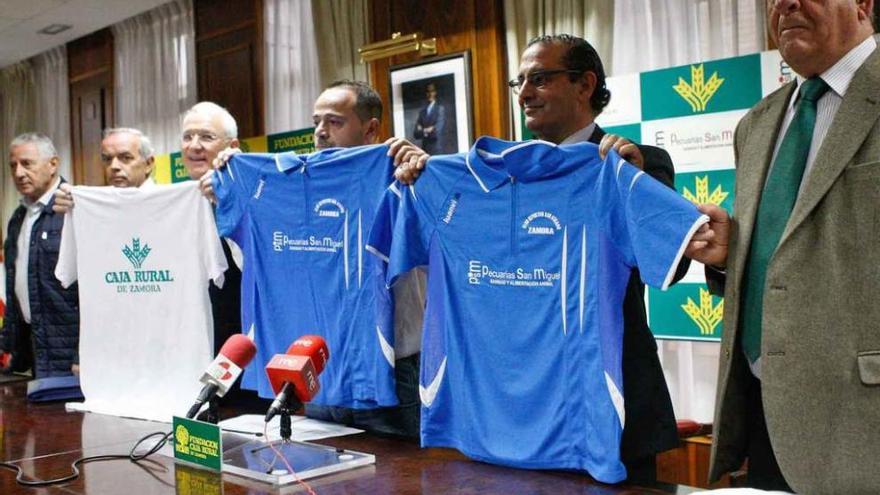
(178, 169)
(715, 187)
(301, 141)
(699, 91)
(732, 84)
(685, 311)
(197, 442)
(706, 315)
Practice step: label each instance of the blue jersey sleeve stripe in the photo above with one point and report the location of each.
(396, 190)
(429, 393)
(387, 349)
(616, 398)
(360, 251)
(619, 167)
(583, 279)
(377, 253)
(635, 179)
(345, 248)
(687, 238)
(563, 285)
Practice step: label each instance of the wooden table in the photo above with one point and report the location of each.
(45, 439)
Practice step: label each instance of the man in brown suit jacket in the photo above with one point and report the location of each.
(804, 407)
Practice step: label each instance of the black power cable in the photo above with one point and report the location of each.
(132, 456)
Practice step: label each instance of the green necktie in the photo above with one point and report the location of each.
(777, 201)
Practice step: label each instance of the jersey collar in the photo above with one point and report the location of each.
(290, 161)
(494, 162)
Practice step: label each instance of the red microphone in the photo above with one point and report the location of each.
(218, 378)
(294, 375)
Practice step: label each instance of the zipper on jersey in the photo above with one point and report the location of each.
(513, 215)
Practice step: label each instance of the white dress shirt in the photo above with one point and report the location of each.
(581, 135)
(24, 240)
(838, 78)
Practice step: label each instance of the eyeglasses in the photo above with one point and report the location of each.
(203, 137)
(538, 79)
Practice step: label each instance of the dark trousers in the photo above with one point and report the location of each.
(641, 471)
(763, 471)
(23, 354)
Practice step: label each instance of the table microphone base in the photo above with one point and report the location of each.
(256, 460)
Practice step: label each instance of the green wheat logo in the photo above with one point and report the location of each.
(706, 316)
(699, 91)
(136, 254)
(701, 194)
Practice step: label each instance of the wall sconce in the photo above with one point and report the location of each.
(398, 44)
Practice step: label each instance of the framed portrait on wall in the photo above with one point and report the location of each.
(431, 103)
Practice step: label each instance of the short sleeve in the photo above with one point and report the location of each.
(658, 221)
(380, 236)
(410, 235)
(233, 185)
(214, 259)
(66, 268)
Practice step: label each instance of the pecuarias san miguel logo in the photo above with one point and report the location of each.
(515, 277)
(542, 223)
(698, 93)
(138, 280)
(329, 207)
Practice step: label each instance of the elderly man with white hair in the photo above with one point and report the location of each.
(127, 155)
(41, 327)
(208, 129)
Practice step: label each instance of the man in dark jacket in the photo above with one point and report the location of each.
(41, 328)
(431, 124)
(561, 90)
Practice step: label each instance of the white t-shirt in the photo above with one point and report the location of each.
(143, 258)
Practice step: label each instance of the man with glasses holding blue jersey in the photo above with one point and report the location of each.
(561, 89)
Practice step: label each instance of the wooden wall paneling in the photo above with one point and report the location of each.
(90, 115)
(90, 72)
(689, 465)
(474, 25)
(229, 59)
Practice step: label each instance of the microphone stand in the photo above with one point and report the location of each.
(212, 414)
(284, 422)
